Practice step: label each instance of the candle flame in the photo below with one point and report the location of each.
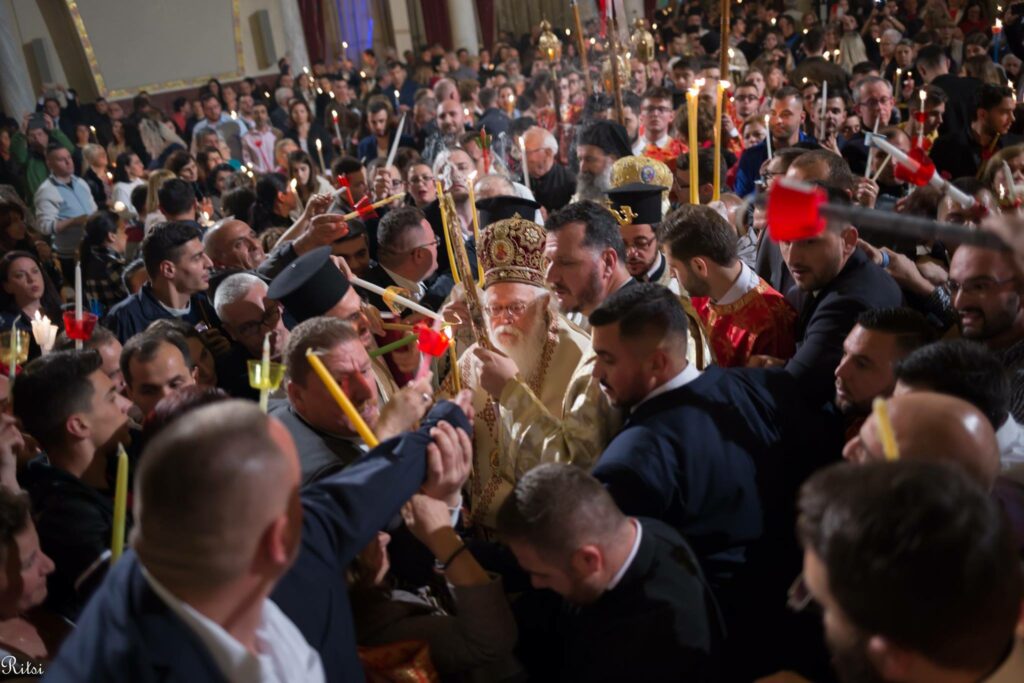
(318, 144)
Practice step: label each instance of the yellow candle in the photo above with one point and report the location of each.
(476, 229)
(722, 85)
(120, 505)
(342, 400)
(692, 97)
(447, 237)
(881, 411)
(454, 358)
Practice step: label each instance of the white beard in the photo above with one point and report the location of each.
(527, 349)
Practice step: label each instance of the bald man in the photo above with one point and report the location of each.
(230, 559)
(930, 426)
(553, 185)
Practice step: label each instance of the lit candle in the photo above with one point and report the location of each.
(476, 228)
(522, 152)
(885, 433)
(337, 130)
(320, 153)
(717, 185)
(44, 332)
(896, 81)
(120, 505)
(265, 374)
(92, 129)
(294, 184)
(341, 399)
(768, 136)
(692, 97)
(920, 131)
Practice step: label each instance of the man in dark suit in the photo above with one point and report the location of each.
(223, 523)
(634, 605)
(933, 67)
(961, 153)
(718, 455)
(407, 258)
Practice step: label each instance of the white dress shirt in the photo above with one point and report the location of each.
(1011, 443)
(689, 373)
(284, 655)
(746, 281)
(417, 289)
(629, 558)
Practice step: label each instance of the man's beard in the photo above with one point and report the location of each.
(594, 186)
(527, 349)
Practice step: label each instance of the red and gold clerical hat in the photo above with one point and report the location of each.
(512, 250)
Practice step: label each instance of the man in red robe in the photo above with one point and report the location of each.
(741, 312)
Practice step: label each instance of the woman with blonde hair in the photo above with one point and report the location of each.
(152, 214)
(993, 175)
(851, 51)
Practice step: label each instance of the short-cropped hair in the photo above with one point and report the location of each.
(319, 333)
(644, 311)
(51, 389)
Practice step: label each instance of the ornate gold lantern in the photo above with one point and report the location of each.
(549, 44)
(606, 73)
(642, 42)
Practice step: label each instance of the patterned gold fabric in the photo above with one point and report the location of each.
(512, 250)
(640, 169)
(558, 415)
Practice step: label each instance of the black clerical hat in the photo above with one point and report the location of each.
(493, 209)
(636, 203)
(310, 285)
(609, 136)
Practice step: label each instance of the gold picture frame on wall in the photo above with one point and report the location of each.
(117, 93)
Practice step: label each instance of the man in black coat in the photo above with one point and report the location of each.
(407, 257)
(933, 67)
(835, 283)
(634, 604)
(961, 153)
(269, 573)
(718, 455)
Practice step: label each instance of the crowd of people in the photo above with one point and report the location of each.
(548, 405)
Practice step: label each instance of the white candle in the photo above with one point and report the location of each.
(412, 305)
(920, 131)
(265, 374)
(768, 137)
(78, 291)
(44, 332)
(522, 152)
(337, 130)
(824, 108)
(320, 153)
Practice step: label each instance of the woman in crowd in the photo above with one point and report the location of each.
(419, 178)
(306, 131)
(102, 257)
(307, 176)
(118, 144)
(25, 290)
(14, 234)
(152, 215)
(29, 635)
(96, 175)
(274, 203)
(129, 173)
(181, 164)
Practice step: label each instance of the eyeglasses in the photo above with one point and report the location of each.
(417, 179)
(424, 246)
(875, 103)
(979, 285)
(514, 310)
(798, 597)
(745, 98)
(639, 244)
(657, 110)
(269, 321)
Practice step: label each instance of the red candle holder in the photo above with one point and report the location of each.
(430, 341)
(79, 329)
(925, 169)
(793, 211)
